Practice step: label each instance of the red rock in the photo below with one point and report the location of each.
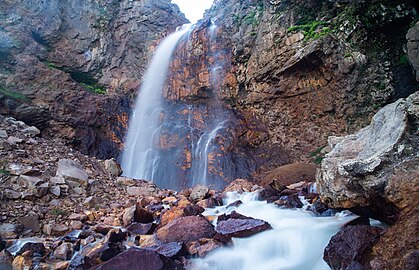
(134, 259)
(185, 229)
(351, 246)
(239, 228)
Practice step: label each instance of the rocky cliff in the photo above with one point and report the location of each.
(70, 67)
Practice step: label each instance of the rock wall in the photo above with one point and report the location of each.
(70, 67)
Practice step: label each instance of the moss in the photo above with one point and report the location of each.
(310, 29)
(50, 65)
(4, 172)
(318, 160)
(94, 88)
(14, 95)
(404, 60)
(317, 151)
(59, 212)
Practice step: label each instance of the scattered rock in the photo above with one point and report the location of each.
(113, 168)
(199, 193)
(31, 131)
(72, 170)
(30, 222)
(59, 229)
(9, 230)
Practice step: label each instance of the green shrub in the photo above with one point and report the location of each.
(14, 95)
(404, 60)
(94, 88)
(59, 212)
(310, 29)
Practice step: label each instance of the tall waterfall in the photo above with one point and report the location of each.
(140, 159)
(178, 143)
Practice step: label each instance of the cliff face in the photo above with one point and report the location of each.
(69, 67)
(310, 69)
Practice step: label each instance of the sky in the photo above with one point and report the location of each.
(193, 9)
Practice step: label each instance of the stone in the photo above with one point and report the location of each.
(134, 259)
(352, 245)
(3, 134)
(239, 185)
(55, 190)
(72, 170)
(289, 174)
(30, 222)
(10, 230)
(56, 181)
(21, 263)
(38, 248)
(234, 227)
(137, 214)
(145, 190)
(169, 250)
(11, 194)
(76, 216)
(59, 229)
(292, 201)
(361, 164)
(185, 229)
(199, 193)
(29, 181)
(12, 140)
(76, 225)
(113, 168)
(180, 211)
(209, 203)
(294, 38)
(6, 260)
(63, 252)
(42, 190)
(31, 131)
(141, 228)
(203, 246)
(412, 37)
(125, 181)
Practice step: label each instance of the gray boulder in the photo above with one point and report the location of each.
(356, 172)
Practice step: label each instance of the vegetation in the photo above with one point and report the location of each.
(50, 65)
(4, 172)
(317, 155)
(59, 212)
(14, 95)
(311, 29)
(404, 60)
(94, 88)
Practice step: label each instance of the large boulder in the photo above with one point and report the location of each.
(185, 229)
(134, 259)
(351, 247)
(72, 170)
(356, 173)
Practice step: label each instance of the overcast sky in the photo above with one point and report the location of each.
(193, 9)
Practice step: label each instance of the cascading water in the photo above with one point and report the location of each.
(140, 158)
(175, 142)
(296, 241)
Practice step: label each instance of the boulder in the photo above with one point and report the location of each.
(32, 131)
(239, 185)
(413, 48)
(134, 259)
(180, 211)
(72, 170)
(113, 168)
(356, 173)
(287, 175)
(38, 248)
(10, 230)
(199, 193)
(169, 250)
(64, 252)
(203, 246)
(30, 222)
(137, 214)
(234, 227)
(141, 228)
(6, 260)
(351, 247)
(185, 229)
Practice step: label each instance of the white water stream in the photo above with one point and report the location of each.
(296, 242)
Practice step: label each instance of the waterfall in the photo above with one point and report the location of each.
(296, 242)
(140, 158)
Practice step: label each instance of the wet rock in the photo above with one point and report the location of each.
(115, 235)
(199, 193)
(134, 259)
(64, 252)
(289, 174)
(240, 185)
(9, 230)
(141, 228)
(38, 248)
(72, 170)
(30, 222)
(113, 168)
(21, 263)
(239, 228)
(268, 194)
(209, 203)
(2, 244)
(292, 201)
(169, 250)
(203, 246)
(185, 229)
(351, 246)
